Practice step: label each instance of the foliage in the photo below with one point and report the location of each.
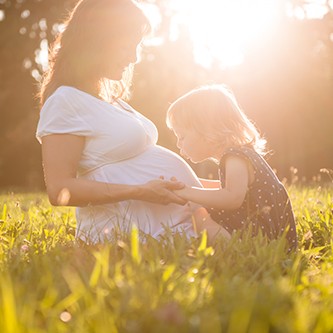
(284, 84)
(52, 283)
(27, 24)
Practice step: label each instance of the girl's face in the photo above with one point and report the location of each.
(192, 145)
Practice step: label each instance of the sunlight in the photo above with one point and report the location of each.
(42, 55)
(316, 9)
(221, 30)
(311, 9)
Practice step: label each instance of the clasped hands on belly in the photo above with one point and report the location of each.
(161, 191)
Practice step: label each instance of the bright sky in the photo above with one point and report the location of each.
(223, 29)
(219, 29)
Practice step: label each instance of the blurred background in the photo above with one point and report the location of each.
(276, 55)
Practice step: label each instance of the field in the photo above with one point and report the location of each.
(50, 283)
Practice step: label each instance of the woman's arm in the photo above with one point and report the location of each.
(230, 197)
(61, 154)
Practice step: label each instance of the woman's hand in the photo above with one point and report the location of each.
(161, 191)
(184, 193)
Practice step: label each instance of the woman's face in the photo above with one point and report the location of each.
(119, 54)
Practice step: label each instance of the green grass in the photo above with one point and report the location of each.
(49, 283)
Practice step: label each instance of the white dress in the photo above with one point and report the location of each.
(120, 148)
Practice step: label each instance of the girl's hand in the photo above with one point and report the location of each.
(161, 192)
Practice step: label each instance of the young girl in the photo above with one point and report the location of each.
(209, 124)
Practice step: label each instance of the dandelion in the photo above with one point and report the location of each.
(65, 316)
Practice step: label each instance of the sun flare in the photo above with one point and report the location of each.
(221, 30)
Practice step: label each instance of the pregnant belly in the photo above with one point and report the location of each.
(154, 162)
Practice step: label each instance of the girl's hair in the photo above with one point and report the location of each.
(90, 28)
(215, 114)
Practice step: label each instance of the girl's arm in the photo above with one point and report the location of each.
(210, 183)
(230, 197)
(61, 154)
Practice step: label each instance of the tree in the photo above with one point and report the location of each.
(285, 84)
(24, 30)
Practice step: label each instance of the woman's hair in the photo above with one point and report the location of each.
(214, 113)
(76, 53)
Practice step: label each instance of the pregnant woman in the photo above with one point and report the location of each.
(99, 154)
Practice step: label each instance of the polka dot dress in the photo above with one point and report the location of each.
(266, 206)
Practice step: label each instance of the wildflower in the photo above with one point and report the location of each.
(24, 248)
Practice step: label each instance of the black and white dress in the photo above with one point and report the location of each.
(266, 207)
